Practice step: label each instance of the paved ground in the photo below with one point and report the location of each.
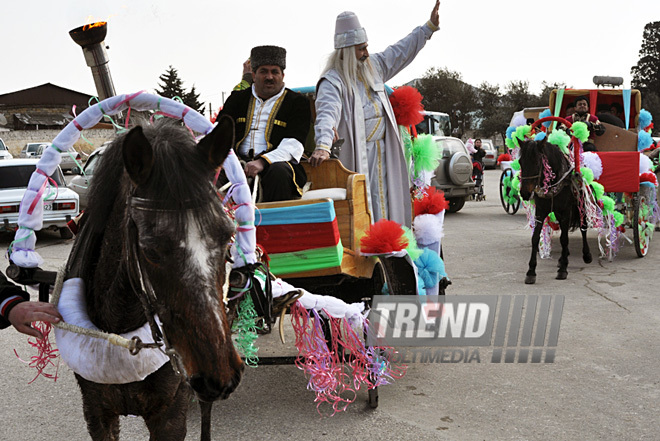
(604, 384)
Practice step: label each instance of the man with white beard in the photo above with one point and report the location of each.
(351, 103)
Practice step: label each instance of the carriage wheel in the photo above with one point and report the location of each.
(642, 229)
(508, 207)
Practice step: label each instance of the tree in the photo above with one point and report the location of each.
(494, 118)
(172, 86)
(646, 73)
(443, 90)
(191, 99)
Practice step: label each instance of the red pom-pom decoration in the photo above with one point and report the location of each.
(649, 177)
(433, 203)
(407, 104)
(383, 237)
(503, 157)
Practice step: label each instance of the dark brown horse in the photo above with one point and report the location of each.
(546, 177)
(154, 241)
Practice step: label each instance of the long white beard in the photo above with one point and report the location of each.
(365, 71)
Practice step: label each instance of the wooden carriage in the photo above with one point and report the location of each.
(618, 151)
(359, 276)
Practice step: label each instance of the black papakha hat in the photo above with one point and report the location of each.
(268, 55)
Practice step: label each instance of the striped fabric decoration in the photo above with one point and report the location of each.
(300, 238)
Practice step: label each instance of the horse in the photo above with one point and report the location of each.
(154, 240)
(546, 176)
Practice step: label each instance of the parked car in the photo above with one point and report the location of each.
(490, 160)
(4, 151)
(67, 163)
(58, 210)
(30, 149)
(454, 173)
(80, 184)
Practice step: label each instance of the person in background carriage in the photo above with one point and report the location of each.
(272, 123)
(478, 167)
(17, 310)
(582, 114)
(351, 99)
(605, 114)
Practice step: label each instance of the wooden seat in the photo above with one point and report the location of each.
(353, 216)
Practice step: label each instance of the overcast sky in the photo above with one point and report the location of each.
(208, 40)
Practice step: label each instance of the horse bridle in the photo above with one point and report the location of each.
(141, 283)
(552, 190)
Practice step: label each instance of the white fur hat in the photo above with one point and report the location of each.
(348, 31)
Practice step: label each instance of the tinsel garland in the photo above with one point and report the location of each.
(327, 363)
(246, 331)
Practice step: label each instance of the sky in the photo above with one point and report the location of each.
(207, 41)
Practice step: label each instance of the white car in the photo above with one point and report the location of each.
(490, 159)
(59, 209)
(4, 151)
(80, 184)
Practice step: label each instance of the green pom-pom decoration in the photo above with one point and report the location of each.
(246, 331)
(515, 165)
(580, 131)
(560, 139)
(522, 132)
(425, 153)
(552, 217)
(515, 184)
(618, 218)
(608, 204)
(510, 143)
(587, 175)
(413, 249)
(599, 190)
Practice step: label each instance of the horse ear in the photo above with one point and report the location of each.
(138, 156)
(217, 144)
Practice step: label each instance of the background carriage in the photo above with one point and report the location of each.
(617, 150)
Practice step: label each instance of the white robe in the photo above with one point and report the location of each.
(378, 155)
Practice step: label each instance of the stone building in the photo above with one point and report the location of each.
(39, 113)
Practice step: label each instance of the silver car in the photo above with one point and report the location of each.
(454, 173)
(490, 159)
(30, 149)
(80, 184)
(69, 159)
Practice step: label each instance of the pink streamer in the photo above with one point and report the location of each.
(46, 354)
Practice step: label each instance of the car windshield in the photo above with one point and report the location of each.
(18, 176)
(450, 146)
(33, 147)
(2, 145)
(92, 163)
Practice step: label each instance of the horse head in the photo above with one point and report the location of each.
(530, 166)
(177, 236)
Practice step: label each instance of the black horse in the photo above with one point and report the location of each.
(547, 178)
(154, 240)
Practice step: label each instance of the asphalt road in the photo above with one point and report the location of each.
(604, 383)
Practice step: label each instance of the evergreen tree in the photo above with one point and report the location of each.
(646, 73)
(191, 99)
(171, 86)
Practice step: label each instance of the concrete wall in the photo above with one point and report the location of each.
(16, 139)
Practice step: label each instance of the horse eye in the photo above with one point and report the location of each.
(152, 255)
